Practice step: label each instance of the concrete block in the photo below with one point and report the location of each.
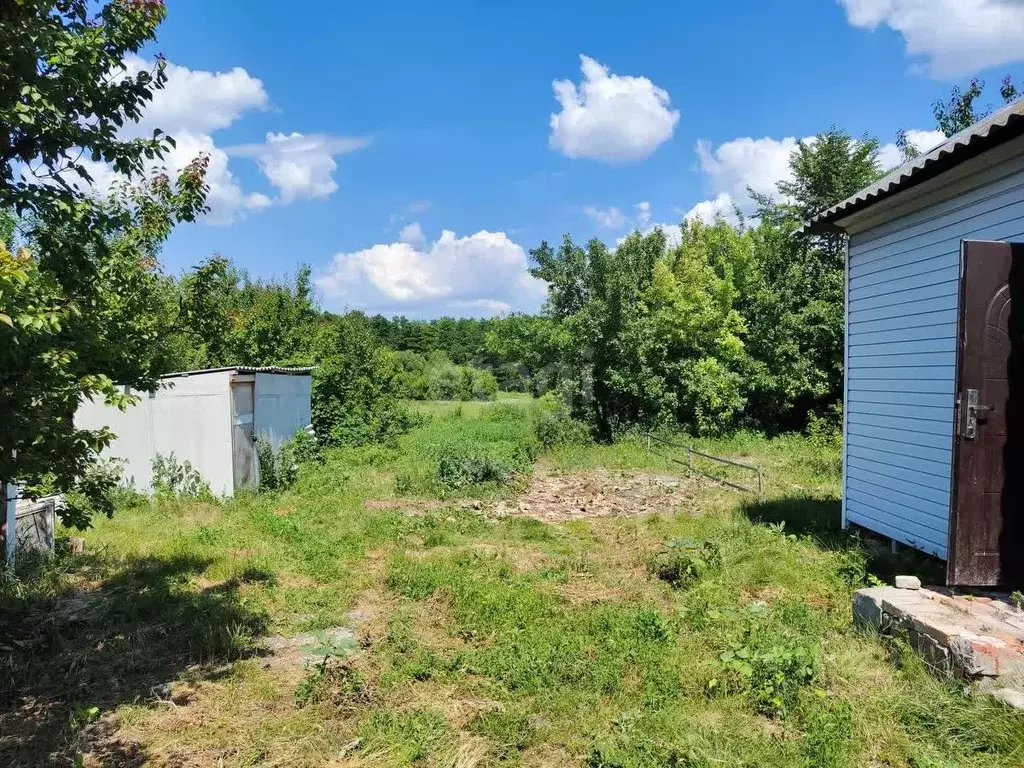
(934, 652)
(984, 656)
(969, 638)
(908, 582)
(867, 608)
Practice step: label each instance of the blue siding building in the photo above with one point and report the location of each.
(904, 326)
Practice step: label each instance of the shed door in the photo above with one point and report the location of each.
(244, 461)
(986, 540)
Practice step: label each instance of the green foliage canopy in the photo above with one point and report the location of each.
(83, 302)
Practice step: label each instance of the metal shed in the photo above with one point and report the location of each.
(933, 427)
(209, 418)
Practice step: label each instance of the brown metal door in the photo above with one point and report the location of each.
(986, 544)
(243, 402)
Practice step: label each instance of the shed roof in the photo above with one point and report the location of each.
(996, 129)
(296, 371)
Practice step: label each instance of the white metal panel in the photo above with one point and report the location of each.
(189, 416)
(282, 405)
(192, 419)
(903, 280)
(133, 443)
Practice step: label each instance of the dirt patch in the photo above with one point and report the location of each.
(598, 494)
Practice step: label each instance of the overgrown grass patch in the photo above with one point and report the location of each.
(715, 635)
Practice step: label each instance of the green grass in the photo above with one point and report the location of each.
(482, 640)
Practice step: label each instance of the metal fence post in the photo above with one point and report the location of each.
(10, 499)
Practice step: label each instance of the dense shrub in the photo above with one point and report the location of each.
(101, 479)
(178, 479)
(457, 468)
(436, 377)
(279, 470)
(303, 448)
(554, 425)
(355, 386)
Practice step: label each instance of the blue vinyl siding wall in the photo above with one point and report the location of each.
(901, 334)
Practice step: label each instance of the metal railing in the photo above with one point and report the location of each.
(651, 439)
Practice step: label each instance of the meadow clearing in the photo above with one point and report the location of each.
(464, 597)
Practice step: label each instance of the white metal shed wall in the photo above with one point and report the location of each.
(133, 435)
(191, 418)
(282, 405)
(903, 284)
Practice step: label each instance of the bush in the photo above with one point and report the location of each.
(826, 437)
(303, 448)
(773, 675)
(177, 479)
(280, 470)
(277, 471)
(356, 387)
(457, 469)
(681, 563)
(436, 377)
(553, 425)
(484, 384)
(100, 489)
(506, 412)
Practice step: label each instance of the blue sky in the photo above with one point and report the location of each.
(408, 152)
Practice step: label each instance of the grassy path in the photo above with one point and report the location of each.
(479, 639)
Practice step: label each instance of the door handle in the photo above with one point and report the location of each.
(972, 413)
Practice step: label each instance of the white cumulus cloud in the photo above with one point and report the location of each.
(735, 166)
(952, 37)
(193, 105)
(643, 212)
(710, 211)
(189, 108)
(195, 101)
(889, 156)
(413, 235)
(609, 218)
(300, 166)
(481, 274)
(615, 118)
(225, 197)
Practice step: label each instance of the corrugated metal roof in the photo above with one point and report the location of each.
(995, 129)
(297, 371)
